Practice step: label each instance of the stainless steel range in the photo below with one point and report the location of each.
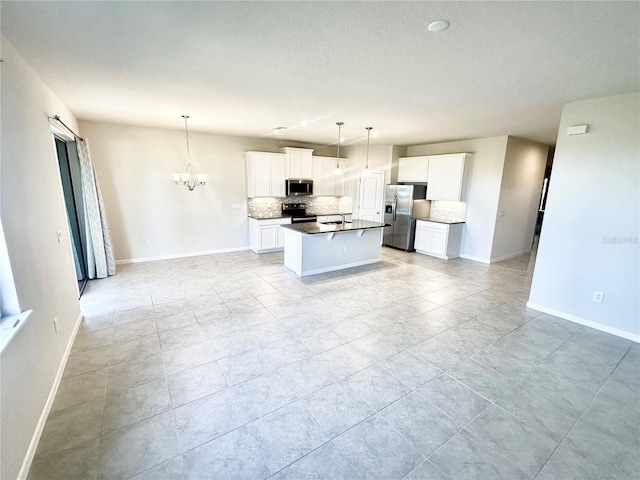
(298, 213)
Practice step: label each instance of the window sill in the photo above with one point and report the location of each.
(11, 325)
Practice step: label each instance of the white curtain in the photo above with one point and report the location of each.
(100, 259)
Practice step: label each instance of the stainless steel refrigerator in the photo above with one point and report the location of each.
(403, 203)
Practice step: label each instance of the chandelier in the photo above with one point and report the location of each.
(189, 178)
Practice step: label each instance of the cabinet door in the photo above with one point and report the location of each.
(262, 176)
(421, 241)
(298, 162)
(436, 178)
(439, 243)
(328, 165)
(316, 175)
(268, 237)
(279, 236)
(452, 189)
(277, 176)
(338, 180)
(413, 169)
(445, 177)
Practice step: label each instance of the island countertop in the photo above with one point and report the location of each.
(315, 227)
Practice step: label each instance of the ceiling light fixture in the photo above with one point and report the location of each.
(366, 168)
(189, 178)
(438, 26)
(338, 170)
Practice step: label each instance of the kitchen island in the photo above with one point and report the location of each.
(312, 248)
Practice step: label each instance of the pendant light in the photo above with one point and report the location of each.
(338, 170)
(366, 168)
(189, 178)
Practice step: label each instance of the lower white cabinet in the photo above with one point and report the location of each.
(267, 235)
(440, 240)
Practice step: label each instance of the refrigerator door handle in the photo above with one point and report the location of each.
(395, 205)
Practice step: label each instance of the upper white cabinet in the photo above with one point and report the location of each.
(446, 177)
(265, 174)
(297, 162)
(324, 181)
(413, 169)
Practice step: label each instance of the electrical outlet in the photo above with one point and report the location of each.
(59, 234)
(147, 242)
(345, 249)
(55, 324)
(501, 213)
(598, 296)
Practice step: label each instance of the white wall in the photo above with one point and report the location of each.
(483, 189)
(134, 166)
(32, 211)
(520, 190)
(589, 238)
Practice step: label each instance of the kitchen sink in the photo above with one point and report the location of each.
(339, 222)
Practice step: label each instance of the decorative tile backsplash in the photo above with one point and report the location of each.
(272, 207)
(448, 211)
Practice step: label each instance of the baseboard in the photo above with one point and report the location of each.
(35, 439)
(507, 257)
(475, 259)
(587, 323)
(179, 255)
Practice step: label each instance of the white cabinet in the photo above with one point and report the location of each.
(413, 169)
(267, 235)
(324, 181)
(265, 174)
(438, 239)
(297, 162)
(446, 179)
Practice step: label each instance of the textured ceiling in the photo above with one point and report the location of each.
(243, 68)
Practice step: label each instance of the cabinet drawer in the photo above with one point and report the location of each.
(434, 226)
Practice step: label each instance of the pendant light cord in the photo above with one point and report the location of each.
(186, 134)
(368, 135)
(338, 156)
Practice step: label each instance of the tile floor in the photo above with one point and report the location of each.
(229, 367)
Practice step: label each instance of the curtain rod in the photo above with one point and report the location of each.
(58, 119)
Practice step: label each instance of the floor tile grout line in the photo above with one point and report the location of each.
(404, 349)
(593, 399)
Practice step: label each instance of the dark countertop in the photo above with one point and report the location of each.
(269, 217)
(327, 214)
(315, 227)
(279, 215)
(427, 219)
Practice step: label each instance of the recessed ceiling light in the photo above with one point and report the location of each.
(304, 123)
(438, 26)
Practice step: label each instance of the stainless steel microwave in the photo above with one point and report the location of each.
(299, 186)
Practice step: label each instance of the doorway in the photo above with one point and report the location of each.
(70, 176)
